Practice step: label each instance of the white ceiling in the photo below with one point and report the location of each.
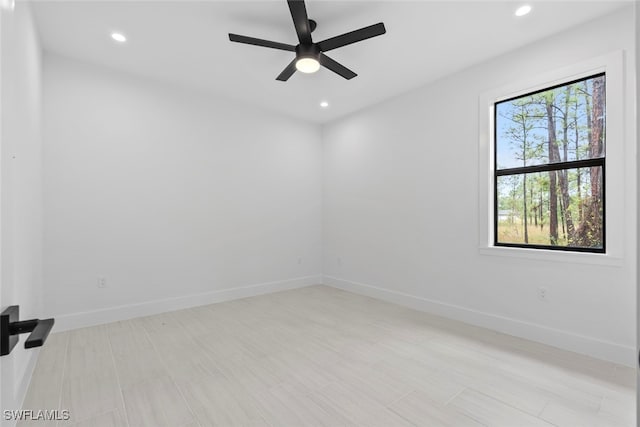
(186, 42)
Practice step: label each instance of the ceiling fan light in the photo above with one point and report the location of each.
(307, 65)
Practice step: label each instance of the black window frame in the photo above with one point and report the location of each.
(595, 162)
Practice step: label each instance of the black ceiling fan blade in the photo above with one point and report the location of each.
(287, 72)
(352, 37)
(336, 67)
(260, 42)
(300, 20)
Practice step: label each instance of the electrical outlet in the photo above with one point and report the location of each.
(102, 282)
(542, 294)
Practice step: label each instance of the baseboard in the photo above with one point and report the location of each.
(130, 311)
(612, 352)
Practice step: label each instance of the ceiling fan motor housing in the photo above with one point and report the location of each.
(308, 51)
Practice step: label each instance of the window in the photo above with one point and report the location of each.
(549, 179)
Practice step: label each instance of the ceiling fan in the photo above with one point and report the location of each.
(310, 55)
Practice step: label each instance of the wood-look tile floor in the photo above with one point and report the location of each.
(323, 357)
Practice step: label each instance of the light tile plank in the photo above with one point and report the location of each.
(419, 409)
(90, 395)
(156, 403)
(355, 407)
(320, 356)
(220, 402)
(491, 412)
(46, 383)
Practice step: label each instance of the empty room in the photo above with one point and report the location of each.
(319, 213)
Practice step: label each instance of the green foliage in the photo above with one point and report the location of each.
(524, 139)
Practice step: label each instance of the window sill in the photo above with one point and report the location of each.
(553, 256)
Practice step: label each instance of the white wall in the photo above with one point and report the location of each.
(637, 23)
(175, 198)
(21, 189)
(178, 199)
(401, 209)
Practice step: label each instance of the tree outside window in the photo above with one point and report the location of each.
(550, 168)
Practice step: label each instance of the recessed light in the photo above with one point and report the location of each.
(324, 104)
(523, 10)
(118, 37)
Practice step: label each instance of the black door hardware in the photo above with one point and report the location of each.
(11, 327)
